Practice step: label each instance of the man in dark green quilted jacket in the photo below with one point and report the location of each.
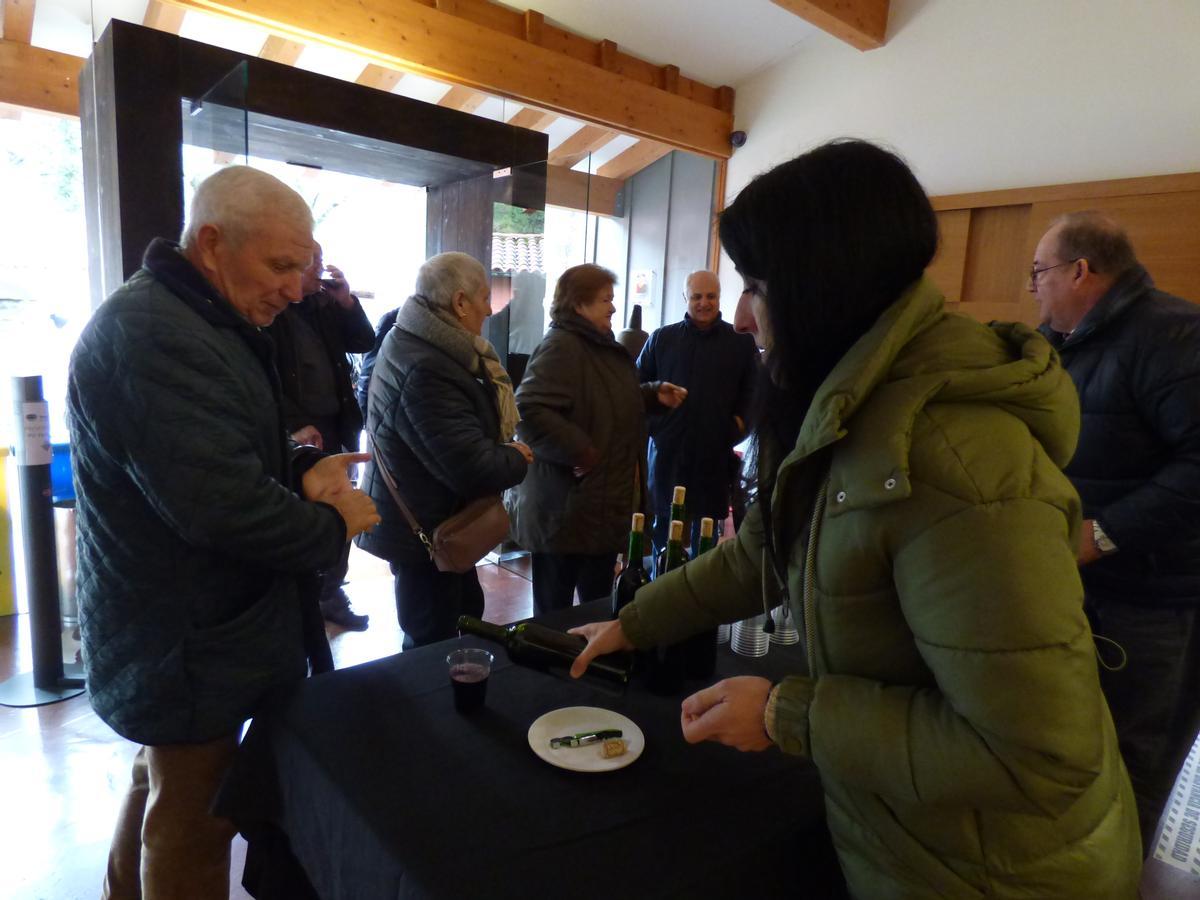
(196, 525)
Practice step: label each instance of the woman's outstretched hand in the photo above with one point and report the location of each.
(602, 638)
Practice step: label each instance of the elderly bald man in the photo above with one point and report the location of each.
(199, 522)
(693, 445)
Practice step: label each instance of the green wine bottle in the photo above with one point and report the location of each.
(700, 650)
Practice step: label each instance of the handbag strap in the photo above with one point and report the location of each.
(390, 482)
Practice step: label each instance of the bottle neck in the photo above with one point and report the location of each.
(472, 625)
(674, 555)
(634, 556)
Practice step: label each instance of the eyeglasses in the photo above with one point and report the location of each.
(1034, 273)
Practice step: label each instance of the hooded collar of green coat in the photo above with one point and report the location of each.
(916, 353)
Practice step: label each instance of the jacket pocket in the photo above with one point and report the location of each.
(232, 665)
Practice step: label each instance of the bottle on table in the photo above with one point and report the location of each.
(700, 650)
(546, 649)
(664, 666)
(678, 514)
(633, 574)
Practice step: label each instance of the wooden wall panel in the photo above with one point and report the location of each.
(997, 262)
(947, 267)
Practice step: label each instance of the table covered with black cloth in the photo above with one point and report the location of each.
(365, 783)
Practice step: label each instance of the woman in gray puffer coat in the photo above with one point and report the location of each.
(583, 413)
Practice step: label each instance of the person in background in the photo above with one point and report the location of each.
(583, 412)
(693, 445)
(1134, 354)
(312, 338)
(442, 415)
(367, 365)
(913, 511)
(198, 520)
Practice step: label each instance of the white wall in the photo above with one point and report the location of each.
(988, 94)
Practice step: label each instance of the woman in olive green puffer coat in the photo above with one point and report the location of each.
(918, 521)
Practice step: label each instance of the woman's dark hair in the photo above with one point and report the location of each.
(836, 235)
(577, 287)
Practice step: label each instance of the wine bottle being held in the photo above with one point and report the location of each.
(678, 514)
(633, 574)
(548, 650)
(665, 665)
(700, 650)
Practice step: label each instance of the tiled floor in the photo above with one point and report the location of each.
(63, 772)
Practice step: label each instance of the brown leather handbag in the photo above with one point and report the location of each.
(463, 539)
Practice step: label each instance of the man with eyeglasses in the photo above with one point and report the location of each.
(1134, 355)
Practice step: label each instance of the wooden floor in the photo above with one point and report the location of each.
(63, 772)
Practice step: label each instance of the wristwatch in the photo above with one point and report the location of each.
(1103, 542)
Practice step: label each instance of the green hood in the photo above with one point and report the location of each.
(917, 354)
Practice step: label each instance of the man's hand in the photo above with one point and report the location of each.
(1088, 551)
(589, 461)
(330, 477)
(730, 712)
(309, 435)
(523, 449)
(356, 509)
(337, 287)
(671, 395)
(741, 425)
(602, 638)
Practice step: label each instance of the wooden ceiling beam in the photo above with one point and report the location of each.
(39, 79)
(533, 119)
(629, 162)
(413, 36)
(587, 139)
(379, 77)
(860, 23)
(281, 50)
(163, 16)
(18, 20)
(462, 99)
(578, 190)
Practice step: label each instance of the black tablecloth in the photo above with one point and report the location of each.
(365, 783)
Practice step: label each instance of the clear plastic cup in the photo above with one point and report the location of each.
(785, 626)
(748, 637)
(470, 668)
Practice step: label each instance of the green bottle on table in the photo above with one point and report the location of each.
(633, 574)
(664, 666)
(546, 649)
(700, 650)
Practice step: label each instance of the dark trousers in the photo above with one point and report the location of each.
(332, 578)
(429, 602)
(1155, 698)
(557, 576)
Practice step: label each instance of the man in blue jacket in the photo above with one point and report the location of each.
(1134, 355)
(200, 524)
(693, 444)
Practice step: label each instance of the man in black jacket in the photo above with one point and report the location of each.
(312, 338)
(199, 523)
(693, 444)
(1134, 354)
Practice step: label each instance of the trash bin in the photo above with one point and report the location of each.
(62, 498)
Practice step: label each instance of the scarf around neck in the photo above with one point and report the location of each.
(473, 352)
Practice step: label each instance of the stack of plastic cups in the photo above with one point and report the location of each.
(723, 632)
(748, 638)
(785, 626)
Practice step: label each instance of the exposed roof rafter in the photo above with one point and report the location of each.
(860, 23)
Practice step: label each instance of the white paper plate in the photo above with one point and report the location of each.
(573, 720)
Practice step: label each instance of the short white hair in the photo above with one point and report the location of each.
(441, 277)
(237, 198)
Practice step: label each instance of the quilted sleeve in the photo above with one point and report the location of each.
(172, 409)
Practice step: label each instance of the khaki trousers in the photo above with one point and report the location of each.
(167, 844)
